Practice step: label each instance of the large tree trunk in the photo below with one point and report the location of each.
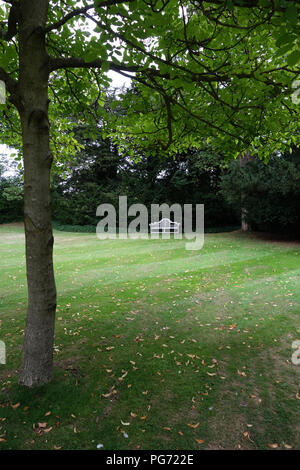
(37, 357)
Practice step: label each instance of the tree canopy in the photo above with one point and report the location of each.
(220, 71)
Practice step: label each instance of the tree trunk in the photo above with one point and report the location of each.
(245, 227)
(37, 357)
(244, 159)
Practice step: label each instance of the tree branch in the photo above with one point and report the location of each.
(56, 63)
(248, 4)
(10, 83)
(69, 16)
(82, 11)
(12, 86)
(13, 20)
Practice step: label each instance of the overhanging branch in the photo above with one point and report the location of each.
(77, 62)
(81, 11)
(276, 6)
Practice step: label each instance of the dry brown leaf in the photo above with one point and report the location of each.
(199, 441)
(42, 425)
(14, 407)
(273, 446)
(194, 426)
(241, 373)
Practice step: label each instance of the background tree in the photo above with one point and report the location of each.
(208, 67)
(11, 194)
(101, 175)
(271, 192)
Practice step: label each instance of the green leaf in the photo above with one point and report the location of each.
(294, 58)
(291, 14)
(105, 66)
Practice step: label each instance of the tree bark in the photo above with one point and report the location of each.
(244, 159)
(37, 356)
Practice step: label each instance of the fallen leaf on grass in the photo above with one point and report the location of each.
(241, 373)
(42, 425)
(125, 424)
(247, 435)
(194, 426)
(107, 395)
(273, 446)
(14, 407)
(199, 441)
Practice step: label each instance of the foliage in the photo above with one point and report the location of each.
(271, 193)
(11, 197)
(217, 70)
(101, 175)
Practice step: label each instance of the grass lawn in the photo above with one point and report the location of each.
(157, 347)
